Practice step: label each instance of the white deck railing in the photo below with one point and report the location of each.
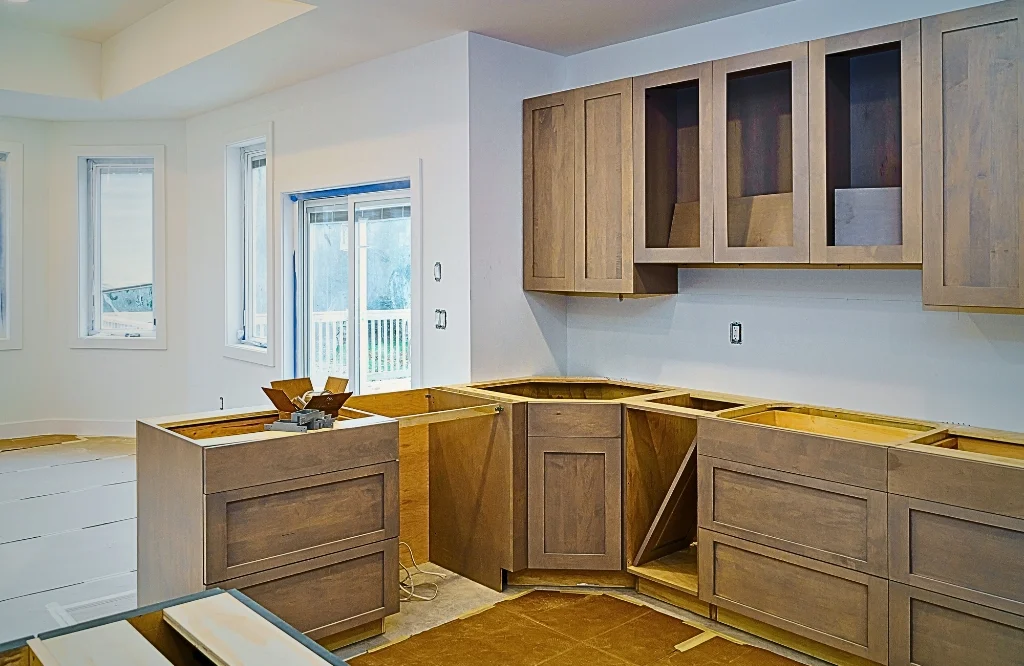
(385, 340)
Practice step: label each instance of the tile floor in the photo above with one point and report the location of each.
(67, 534)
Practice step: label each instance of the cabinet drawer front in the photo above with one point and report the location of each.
(845, 609)
(233, 466)
(956, 479)
(839, 460)
(567, 419)
(929, 629)
(575, 503)
(966, 554)
(258, 528)
(330, 594)
(827, 521)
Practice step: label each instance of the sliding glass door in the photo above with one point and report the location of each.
(355, 291)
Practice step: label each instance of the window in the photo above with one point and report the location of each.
(254, 246)
(120, 210)
(249, 298)
(4, 196)
(10, 244)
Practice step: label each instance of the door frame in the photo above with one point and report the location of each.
(302, 309)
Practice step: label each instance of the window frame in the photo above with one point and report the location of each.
(237, 253)
(82, 338)
(11, 228)
(250, 154)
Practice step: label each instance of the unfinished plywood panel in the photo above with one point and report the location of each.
(549, 192)
(413, 465)
(675, 523)
(760, 143)
(974, 219)
(654, 447)
(673, 170)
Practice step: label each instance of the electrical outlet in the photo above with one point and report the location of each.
(736, 333)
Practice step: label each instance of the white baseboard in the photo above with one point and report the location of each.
(84, 427)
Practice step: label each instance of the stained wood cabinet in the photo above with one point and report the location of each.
(760, 157)
(673, 199)
(575, 503)
(973, 179)
(578, 195)
(865, 146)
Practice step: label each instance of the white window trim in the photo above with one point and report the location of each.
(79, 338)
(234, 144)
(13, 227)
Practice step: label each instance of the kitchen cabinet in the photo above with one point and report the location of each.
(973, 179)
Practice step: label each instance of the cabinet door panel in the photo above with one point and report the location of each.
(575, 503)
(548, 192)
(604, 188)
(929, 629)
(973, 188)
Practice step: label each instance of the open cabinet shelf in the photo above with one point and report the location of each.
(676, 570)
(761, 157)
(672, 155)
(865, 128)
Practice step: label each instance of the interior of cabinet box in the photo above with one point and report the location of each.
(690, 401)
(661, 498)
(836, 424)
(759, 156)
(990, 447)
(672, 161)
(245, 424)
(864, 158)
(567, 390)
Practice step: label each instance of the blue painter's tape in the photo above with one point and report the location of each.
(355, 189)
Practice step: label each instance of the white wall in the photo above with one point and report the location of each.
(369, 122)
(26, 373)
(514, 333)
(87, 391)
(845, 338)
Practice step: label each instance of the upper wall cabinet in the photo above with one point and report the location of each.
(549, 197)
(972, 146)
(865, 146)
(760, 157)
(673, 195)
(578, 195)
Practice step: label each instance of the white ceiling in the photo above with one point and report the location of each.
(91, 20)
(341, 33)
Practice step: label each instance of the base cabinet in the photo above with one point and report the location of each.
(840, 608)
(575, 503)
(931, 629)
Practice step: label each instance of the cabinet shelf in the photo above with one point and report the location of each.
(676, 570)
(865, 128)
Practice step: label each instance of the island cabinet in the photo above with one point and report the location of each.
(865, 146)
(304, 524)
(578, 195)
(760, 157)
(973, 148)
